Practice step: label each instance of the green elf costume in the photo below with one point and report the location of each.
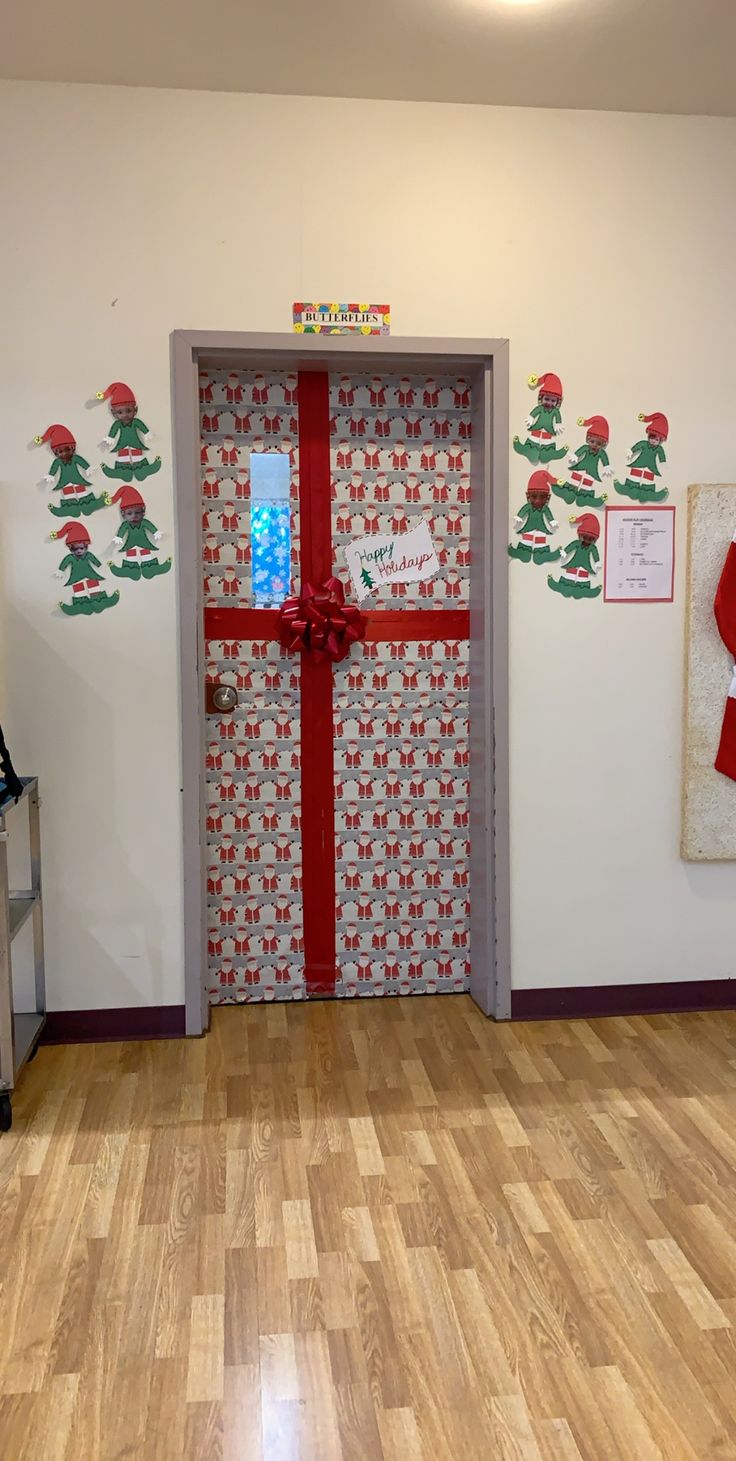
(580, 561)
(68, 475)
(137, 537)
(127, 435)
(587, 465)
(544, 422)
(534, 523)
(85, 573)
(643, 462)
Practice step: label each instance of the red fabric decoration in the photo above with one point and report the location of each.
(319, 622)
(725, 612)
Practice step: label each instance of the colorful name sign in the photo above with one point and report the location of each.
(342, 319)
(391, 558)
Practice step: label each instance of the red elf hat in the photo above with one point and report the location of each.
(56, 436)
(128, 497)
(73, 532)
(540, 481)
(596, 424)
(656, 422)
(588, 523)
(118, 394)
(546, 382)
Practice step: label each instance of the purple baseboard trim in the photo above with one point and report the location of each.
(597, 1001)
(145, 1022)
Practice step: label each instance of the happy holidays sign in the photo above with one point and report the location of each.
(391, 558)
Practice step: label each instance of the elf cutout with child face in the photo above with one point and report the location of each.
(534, 522)
(127, 435)
(85, 573)
(544, 422)
(580, 561)
(137, 537)
(68, 475)
(588, 466)
(644, 460)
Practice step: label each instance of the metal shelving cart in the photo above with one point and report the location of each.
(20, 1031)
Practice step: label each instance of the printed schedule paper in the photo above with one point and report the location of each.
(640, 555)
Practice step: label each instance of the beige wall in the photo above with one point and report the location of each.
(602, 245)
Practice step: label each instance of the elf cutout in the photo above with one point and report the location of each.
(544, 422)
(643, 462)
(534, 522)
(138, 537)
(127, 435)
(68, 475)
(580, 561)
(587, 466)
(85, 573)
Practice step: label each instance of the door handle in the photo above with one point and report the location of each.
(220, 699)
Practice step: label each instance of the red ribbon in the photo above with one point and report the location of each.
(319, 622)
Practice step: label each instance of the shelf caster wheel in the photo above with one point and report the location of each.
(6, 1112)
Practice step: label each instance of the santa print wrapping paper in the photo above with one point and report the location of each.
(242, 412)
(400, 455)
(401, 819)
(253, 828)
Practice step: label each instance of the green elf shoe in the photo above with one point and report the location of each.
(546, 554)
(573, 590)
(552, 453)
(561, 489)
(146, 469)
(153, 569)
(526, 449)
(118, 474)
(589, 499)
(125, 570)
(93, 504)
(100, 602)
(66, 509)
(522, 551)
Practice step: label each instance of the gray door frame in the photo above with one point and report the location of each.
(485, 364)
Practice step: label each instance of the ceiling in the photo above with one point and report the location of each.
(621, 55)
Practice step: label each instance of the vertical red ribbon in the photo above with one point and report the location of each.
(317, 735)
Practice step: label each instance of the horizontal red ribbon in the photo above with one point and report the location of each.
(381, 624)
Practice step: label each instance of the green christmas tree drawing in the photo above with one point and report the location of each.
(365, 578)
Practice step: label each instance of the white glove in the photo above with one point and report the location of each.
(553, 526)
(529, 423)
(629, 456)
(559, 429)
(118, 542)
(607, 472)
(107, 441)
(49, 479)
(157, 537)
(595, 567)
(517, 524)
(58, 573)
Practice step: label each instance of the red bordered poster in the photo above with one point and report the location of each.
(639, 559)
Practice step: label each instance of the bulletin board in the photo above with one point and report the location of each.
(708, 798)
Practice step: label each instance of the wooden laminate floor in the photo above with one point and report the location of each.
(374, 1230)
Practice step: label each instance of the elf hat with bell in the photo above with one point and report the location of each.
(56, 436)
(595, 424)
(73, 533)
(587, 523)
(540, 481)
(118, 394)
(546, 382)
(128, 497)
(656, 422)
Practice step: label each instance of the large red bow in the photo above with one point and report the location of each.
(319, 622)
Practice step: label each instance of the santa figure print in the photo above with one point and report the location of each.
(580, 561)
(68, 475)
(544, 422)
(534, 522)
(644, 461)
(587, 467)
(138, 538)
(84, 573)
(127, 436)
